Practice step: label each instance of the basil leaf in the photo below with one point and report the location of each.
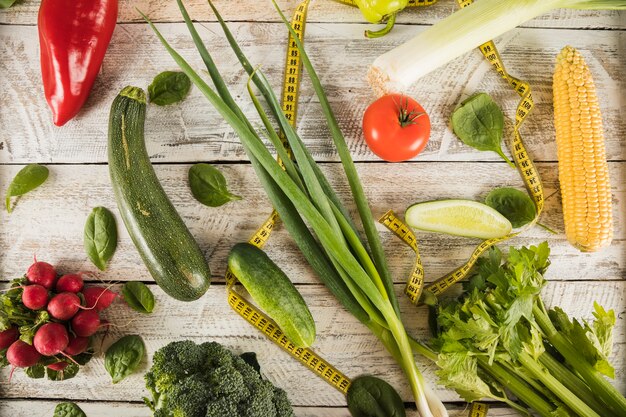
(479, 123)
(68, 410)
(100, 237)
(208, 186)
(5, 4)
(369, 396)
(124, 357)
(169, 87)
(513, 204)
(27, 179)
(138, 296)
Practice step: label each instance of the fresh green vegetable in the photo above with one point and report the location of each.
(27, 179)
(123, 357)
(513, 204)
(169, 87)
(459, 33)
(479, 123)
(272, 290)
(498, 334)
(369, 396)
(458, 217)
(138, 296)
(100, 237)
(303, 199)
(166, 246)
(68, 410)
(190, 380)
(5, 4)
(208, 185)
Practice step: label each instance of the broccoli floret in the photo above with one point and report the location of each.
(207, 380)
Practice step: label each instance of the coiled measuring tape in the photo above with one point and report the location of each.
(525, 166)
(237, 302)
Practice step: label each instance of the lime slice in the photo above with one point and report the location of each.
(458, 217)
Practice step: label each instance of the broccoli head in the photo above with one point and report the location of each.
(208, 380)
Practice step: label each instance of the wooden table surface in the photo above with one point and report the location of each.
(49, 222)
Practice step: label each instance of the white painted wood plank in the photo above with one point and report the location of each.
(341, 340)
(36, 408)
(49, 222)
(193, 130)
(25, 12)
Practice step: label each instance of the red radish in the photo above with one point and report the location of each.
(64, 306)
(41, 273)
(99, 297)
(51, 339)
(77, 345)
(58, 366)
(85, 323)
(8, 336)
(70, 283)
(22, 355)
(35, 297)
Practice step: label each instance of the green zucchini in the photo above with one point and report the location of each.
(272, 290)
(166, 246)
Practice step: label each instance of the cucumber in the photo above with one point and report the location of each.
(272, 290)
(166, 246)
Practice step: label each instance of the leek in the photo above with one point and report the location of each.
(461, 32)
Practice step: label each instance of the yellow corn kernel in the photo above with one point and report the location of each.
(583, 170)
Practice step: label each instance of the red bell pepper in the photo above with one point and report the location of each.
(73, 37)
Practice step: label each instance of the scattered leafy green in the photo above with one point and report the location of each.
(68, 410)
(208, 185)
(513, 204)
(479, 123)
(138, 296)
(123, 357)
(100, 236)
(169, 87)
(27, 179)
(188, 380)
(369, 396)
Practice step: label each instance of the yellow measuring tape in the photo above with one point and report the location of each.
(525, 166)
(478, 409)
(238, 303)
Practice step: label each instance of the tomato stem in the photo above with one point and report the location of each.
(407, 117)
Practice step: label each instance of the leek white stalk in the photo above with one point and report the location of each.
(461, 32)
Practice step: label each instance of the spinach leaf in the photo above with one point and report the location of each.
(369, 396)
(124, 357)
(138, 296)
(169, 87)
(5, 4)
(208, 186)
(479, 123)
(27, 179)
(100, 237)
(513, 204)
(68, 410)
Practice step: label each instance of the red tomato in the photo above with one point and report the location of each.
(396, 127)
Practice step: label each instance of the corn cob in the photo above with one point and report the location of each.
(583, 169)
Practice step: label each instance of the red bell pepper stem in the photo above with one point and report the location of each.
(73, 37)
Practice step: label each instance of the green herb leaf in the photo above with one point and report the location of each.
(100, 237)
(36, 371)
(169, 87)
(479, 123)
(602, 329)
(208, 186)
(27, 179)
(5, 4)
(459, 370)
(124, 357)
(68, 410)
(369, 396)
(138, 296)
(513, 204)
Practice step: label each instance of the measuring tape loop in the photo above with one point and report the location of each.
(478, 409)
(415, 289)
(237, 302)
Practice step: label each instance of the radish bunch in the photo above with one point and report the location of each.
(47, 322)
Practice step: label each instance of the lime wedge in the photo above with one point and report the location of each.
(458, 217)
